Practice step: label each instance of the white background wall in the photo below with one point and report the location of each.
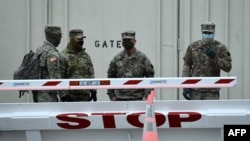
(164, 28)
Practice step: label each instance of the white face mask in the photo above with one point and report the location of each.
(208, 37)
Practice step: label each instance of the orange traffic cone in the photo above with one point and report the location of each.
(149, 129)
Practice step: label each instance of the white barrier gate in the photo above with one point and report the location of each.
(123, 121)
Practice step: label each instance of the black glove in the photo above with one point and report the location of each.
(67, 98)
(186, 93)
(22, 92)
(210, 52)
(93, 96)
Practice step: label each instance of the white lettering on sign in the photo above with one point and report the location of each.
(237, 132)
(89, 83)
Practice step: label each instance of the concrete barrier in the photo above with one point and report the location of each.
(123, 121)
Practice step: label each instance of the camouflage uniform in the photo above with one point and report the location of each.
(77, 65)
(128, 66)
(198, 64)
(51, 66)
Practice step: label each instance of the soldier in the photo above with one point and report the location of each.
(127, 64)
(50, 63)
(77, 65)
(205, 58)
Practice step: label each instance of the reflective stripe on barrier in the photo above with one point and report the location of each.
(72, 120)
(119, 83)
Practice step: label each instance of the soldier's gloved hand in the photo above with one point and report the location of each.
(186, 93)
(22, 92)
(93, 96)
(210, 52)
(67, 98)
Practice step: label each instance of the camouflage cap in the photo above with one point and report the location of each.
(77, 33)
(50, 28)
(128, 35)
(207, 27)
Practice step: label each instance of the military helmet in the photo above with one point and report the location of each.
(207, 27)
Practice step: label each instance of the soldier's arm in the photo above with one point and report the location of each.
(149, 72)
(149, 68)
(91, 70)
(54, 66)
(111, 74)
(63, 64)
(224, 59)
(54, 69)
(187, 66)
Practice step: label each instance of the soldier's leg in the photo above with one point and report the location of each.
(81, 97)
(43, 96)
(53, 97)
(195, 95)
(211, 96)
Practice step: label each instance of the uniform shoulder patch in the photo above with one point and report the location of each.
(52, 59)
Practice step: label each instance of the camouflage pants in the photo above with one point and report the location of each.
(77, 97)
(196, 95)
(46, 96)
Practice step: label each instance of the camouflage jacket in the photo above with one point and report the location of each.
(77, 65)
(50, 62)
(198, 64)
(128, 66)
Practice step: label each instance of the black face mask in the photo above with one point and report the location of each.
(80, 42)
(76, 45)
(127, 45)
(55, 39)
